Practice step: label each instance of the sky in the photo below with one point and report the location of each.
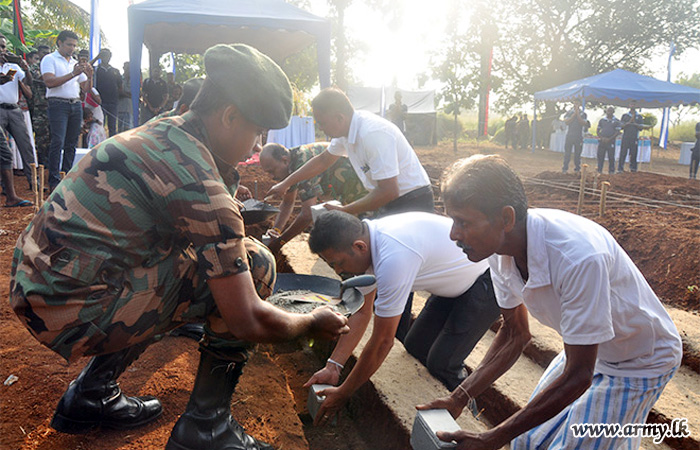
(400, 54)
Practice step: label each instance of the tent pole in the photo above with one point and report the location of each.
(534, 127)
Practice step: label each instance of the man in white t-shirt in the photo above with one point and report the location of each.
(620, 345)
(409, 251)
(64, 78)
(379, 153)
(11, 117)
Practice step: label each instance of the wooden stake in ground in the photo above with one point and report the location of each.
(582, 188)
(41, 185)
(34, 188)
(603, 194)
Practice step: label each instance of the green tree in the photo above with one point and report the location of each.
(681, 112)
(455, 66)
(544, 43)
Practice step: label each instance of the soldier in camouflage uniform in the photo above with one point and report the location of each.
(338, 182)
(144, 236)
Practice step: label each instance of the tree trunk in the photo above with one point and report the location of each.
(456, 132)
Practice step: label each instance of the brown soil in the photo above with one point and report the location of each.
(270, 402)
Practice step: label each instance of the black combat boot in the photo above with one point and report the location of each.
(207, 422)
(95, 399)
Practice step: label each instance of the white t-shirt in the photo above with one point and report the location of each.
(413, 252)
(377, 151)
(58, 65)
(583, 285)
(9, 92)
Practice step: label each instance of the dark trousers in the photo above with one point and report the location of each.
(606, 148)
(695, 161)
(12, 121)
(447, 330)
(574, 143)
(628, 146)
(111, 116)
(420, 199)
(64, 122)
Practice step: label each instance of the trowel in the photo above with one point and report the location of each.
(323, 290)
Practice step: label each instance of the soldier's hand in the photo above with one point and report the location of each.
(328, 324)
(243, 193)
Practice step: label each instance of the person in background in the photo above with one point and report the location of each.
(523, 132)
(631, 122)
(397, 112)
(125, 106)
(12, 121)
(621, 347)
(509, 130)
(695, 154)
(65, 78)
(608, 130)
(107, 81)
(38, 108)
(189, 92)
(338, 182)
(154, 93)
(577, 122)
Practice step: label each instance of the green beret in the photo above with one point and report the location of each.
(253, 82)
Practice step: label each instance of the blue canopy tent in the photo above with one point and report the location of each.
(274, 27)
(619, 88)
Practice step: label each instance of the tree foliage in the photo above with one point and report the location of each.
(544, 43)
(43, 20)
(456, 66)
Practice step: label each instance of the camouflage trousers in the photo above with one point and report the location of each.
(42, 135)
(116, 314)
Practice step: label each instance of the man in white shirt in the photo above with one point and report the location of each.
(409, 251)
(379, 153)
(11, 117)
(620, 345)
(64, 78)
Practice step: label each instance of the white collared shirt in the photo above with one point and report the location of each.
(59, 66)
(9, 92)
(583, 285)
(413, 252)
(377, 151)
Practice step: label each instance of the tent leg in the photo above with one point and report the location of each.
(534, 127)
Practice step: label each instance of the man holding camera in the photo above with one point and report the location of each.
(64, 77)
(14, 70)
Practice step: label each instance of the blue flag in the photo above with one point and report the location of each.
(663, 135)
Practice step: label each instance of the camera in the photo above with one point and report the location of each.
(12, 58)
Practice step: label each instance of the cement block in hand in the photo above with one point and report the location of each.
(425, 427)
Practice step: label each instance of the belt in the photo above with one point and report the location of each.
(9, 105)
(65, 100)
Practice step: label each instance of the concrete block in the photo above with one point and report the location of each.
(314, 401)
(427, 424)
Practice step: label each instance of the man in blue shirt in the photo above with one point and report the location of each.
(577, 122)
(632, 122)
(608, 130)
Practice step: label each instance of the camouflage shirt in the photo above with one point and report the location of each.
(120, 220)
(338, 181)
(38, 88)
